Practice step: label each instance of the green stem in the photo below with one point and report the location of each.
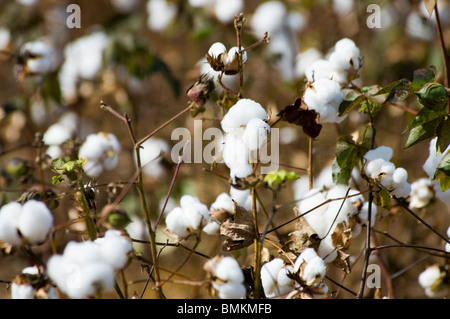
(90, 225)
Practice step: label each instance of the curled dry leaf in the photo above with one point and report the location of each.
(238, 231)
(299, 114)
(302, 237)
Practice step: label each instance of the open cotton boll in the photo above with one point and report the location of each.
(383, 152)
(430, 279)
(255, 134)
(268, 17)
(82, 253)
(324, 69)
(241, 113)
(324, 96)
(216, 49)
(231, 290)
(232, 54)
(196, 212)
(310, 200)
(161, 13)
(235, 154)
(9, 223)
(345, 55)
(223, 202)
(228, 269)
(93, 276)
(274, 278)
(177, 224)
(114, 249)
(35, 221)
(226, 10)
(38, 57)
(421, 193)
(22, 291)
(228, 277)
(315, 268)
(242, 197)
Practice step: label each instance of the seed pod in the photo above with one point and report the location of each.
(433, 96)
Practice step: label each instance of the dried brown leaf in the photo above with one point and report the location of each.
(238, 231)
(299, 114)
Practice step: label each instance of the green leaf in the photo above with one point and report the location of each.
(396, 91)
(423, 132)
(384, 198)
(423, 116)
(279, 177)
(443, 137)
(351, 100)
(433, 96)
(442, 172)
(346, 157)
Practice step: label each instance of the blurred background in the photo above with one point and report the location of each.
(140, 57)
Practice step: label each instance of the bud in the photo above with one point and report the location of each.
(433, 96)
(200, 91)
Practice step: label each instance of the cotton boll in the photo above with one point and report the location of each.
(196, 213)
(22, 291)
(255, 134)
(56, 134)
(177, 224)
(269, 275)
(315, 269)
(364, 213)
(228, 269)
(93, 276)
(403, 191)
(431, 277)
(310, 200)
(9, 223)
(226, 10)
(231, 290)
(236, 155)
(421, 193)
(242, 197)
(212, 228)
(383, 152)
(345, 55)
(232, 54)
(223, 202)
(285, 283)
(114, 249)
(35, 221)
(241, 113)
(216, 49)
(38, 57)
(268, 17)
(324, 69)
(324, 96)
(160, 14)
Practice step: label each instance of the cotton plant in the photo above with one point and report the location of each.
(100, 152)
(35, 58)
(422, 193)
(227, 278)
(29, 223)
(246, 132)
(86, 267)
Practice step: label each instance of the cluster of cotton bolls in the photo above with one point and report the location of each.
(277, 278)
(100, 152)
(226, 276)
(29, 223)
(246, 131)
(379, 168)
(188, 218)
(327, 77)
(86, 267)
(353, 211)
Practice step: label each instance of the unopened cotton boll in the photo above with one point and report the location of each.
(324, 96)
